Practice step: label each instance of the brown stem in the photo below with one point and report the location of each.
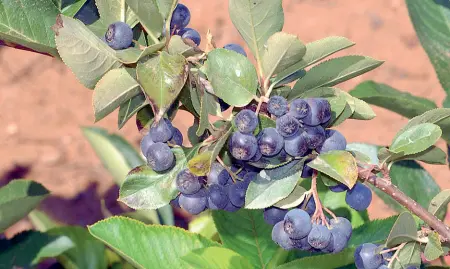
(318, 213)
(386, 186)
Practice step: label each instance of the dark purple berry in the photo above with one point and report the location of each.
(319, 237)
(334, 140)
(236, 193)
(296, 145)
(246, 121)
(270, 142)
(217, 197)
(287, 125)
(187, 183)
(146, 142)
(180, 17)
(280, 237)
(359, 197)
(177, 138)
(119, 36)
(315, 136)
(189, 33)
(299, 108)
(243, 146)
(277, 105)
(273, 215)
(161, 131)
(194, 203)
(159, 157)
(297, 223)
(307, 171)
(218, 174)
(367, 256)
(236, 48)
(319, 113)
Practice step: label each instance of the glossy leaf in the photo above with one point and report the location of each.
(416, 139)
(83, 52)
(369, 150)
(383, 95)
(334, 71)
(281, 51)
(178, 46)
(162, 79)
(256, 21)
(112, 11)
(30, 247)
(431, 22)
(217, 258)
(438, 204)
(28, 23)
(433, 249)
(438, 116)
(115, 88)
(116, 154)
(200, 165)
(144, 188)
(414, 181)
(271, 186)
(17, 199)
(294, 199)
(88, 253)
(432, 155)
(149, 16)
(325, 261)
(130, 108)
(408, 255)
(232, 76)
(339, 164)
(403, 231)
(374, 231)
(315, 51)
(253, 238)
(203, 225)
(150, 242)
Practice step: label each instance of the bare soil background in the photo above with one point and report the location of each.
(43, 106)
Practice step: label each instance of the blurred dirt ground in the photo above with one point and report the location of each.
(42, 105)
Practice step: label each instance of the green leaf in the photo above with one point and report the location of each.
(41, 221)
(431, 22)
(144, 188)
(326, 261)
(116, 154)
(315, 51)
(153, 246)
(346, 114)
(409, 255)
(132, 55)
(28, 23)
(253, 237)
(112, 11)
(414, 181)
(362, 110)
(432, 155)
(438, 116)
(130, 108)
(17, 199)
(232, 76)
(72, 9)
(162, 79)
(222, 137)
(338, 164)
(217, 258)
(367, 149)
(178, 46)
(199, 165)
(416, 139)
(83, 52)
(281, 51)
(387, 97)
(148, 14)
(115, 88)
(438, 204)
(88, 253)
(372, 232)
(433, 249)
(271, 186)
(144, 118)
(203, 225)
(203, 124)
(165, 6)
(30, 247)
(334, 71)
(294, 199)
(403, 231)
(256, 21)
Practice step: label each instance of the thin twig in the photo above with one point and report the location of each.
(396, 255)
(318, 213)
(386, 186)
(331, 213)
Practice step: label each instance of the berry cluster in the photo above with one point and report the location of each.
(180, 19)
(370, 256)
(294, 230)
(215, 191)
(156, 145)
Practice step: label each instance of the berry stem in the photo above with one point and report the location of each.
(318, 213)
(330, 212)
(386, 186)
(395, 256)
